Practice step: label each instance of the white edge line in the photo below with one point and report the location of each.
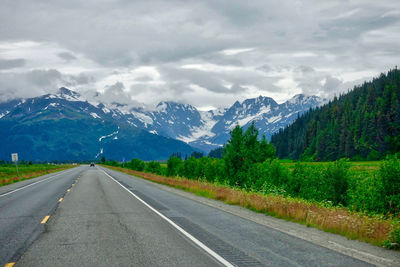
(195, 240)
(13, 191)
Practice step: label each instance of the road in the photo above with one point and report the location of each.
(111, 219)
(23, 206)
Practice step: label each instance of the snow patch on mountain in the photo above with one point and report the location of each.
(109, 135)
(94, 115)
(98, 154)
(142, 117)
(50, 105)
(274, 119)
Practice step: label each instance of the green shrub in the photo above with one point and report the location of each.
(315, 185)
(154, 167)
(366, 193)
(298, 176)
(189, 167)
(136, 164)
(394, 239)
(337, 173)
(389, 173)
(174, 166)
(277, 174)
(257, 176)
(215, 170)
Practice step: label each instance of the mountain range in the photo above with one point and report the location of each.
(65, 126)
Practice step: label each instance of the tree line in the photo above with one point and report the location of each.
(362, 124)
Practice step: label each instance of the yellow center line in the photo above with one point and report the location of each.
(45, 219)
(10, 264)
(61, 199)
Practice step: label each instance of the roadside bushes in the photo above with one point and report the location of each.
(377, 192)
(175, 166)
(332, 183)
(390, 176)
(154, 167)
(319, 183)
(248, 164)
(136, 164)
(366, 193)
(139, 165)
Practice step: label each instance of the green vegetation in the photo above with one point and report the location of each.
(8, 173)
(249, 165)
(363, 124)
(376, 229)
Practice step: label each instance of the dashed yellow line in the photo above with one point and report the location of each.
(10, 264)
(61, 199)
(45, 219)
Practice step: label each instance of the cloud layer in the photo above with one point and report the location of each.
(205, 53)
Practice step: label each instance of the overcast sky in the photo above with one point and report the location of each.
(205, 53)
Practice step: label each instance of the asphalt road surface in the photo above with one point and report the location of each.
(111, 219)
(23, 206)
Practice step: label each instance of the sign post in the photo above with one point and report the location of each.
(14, 158)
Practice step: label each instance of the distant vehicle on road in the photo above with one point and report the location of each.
(92, 164)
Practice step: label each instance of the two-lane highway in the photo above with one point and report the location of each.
(112, 219)
(100, 224)
(24, 205)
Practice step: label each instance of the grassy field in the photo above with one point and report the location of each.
(8, 173)
(355, 165)
(377, 230)
(367, 166)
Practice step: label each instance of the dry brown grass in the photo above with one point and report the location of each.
(337, 220)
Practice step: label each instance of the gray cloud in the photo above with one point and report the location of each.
(67, 56)
(37, 82)
(12, 63)
(234, 50)
(28, 84)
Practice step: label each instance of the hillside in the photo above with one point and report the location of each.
(65, 127)
(362, 124)
(206, 130)
(82, 122)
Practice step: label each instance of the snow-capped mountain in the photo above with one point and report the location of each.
(267, 115)
(64, 126)
(204, 130)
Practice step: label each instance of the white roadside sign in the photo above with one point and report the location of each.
(14, 157)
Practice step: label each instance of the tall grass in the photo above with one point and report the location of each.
(374, 229)
(8, 173)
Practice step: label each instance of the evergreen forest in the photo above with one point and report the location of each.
(363, 124)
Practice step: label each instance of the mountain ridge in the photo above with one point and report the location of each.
(64, 127)
(203, 130)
